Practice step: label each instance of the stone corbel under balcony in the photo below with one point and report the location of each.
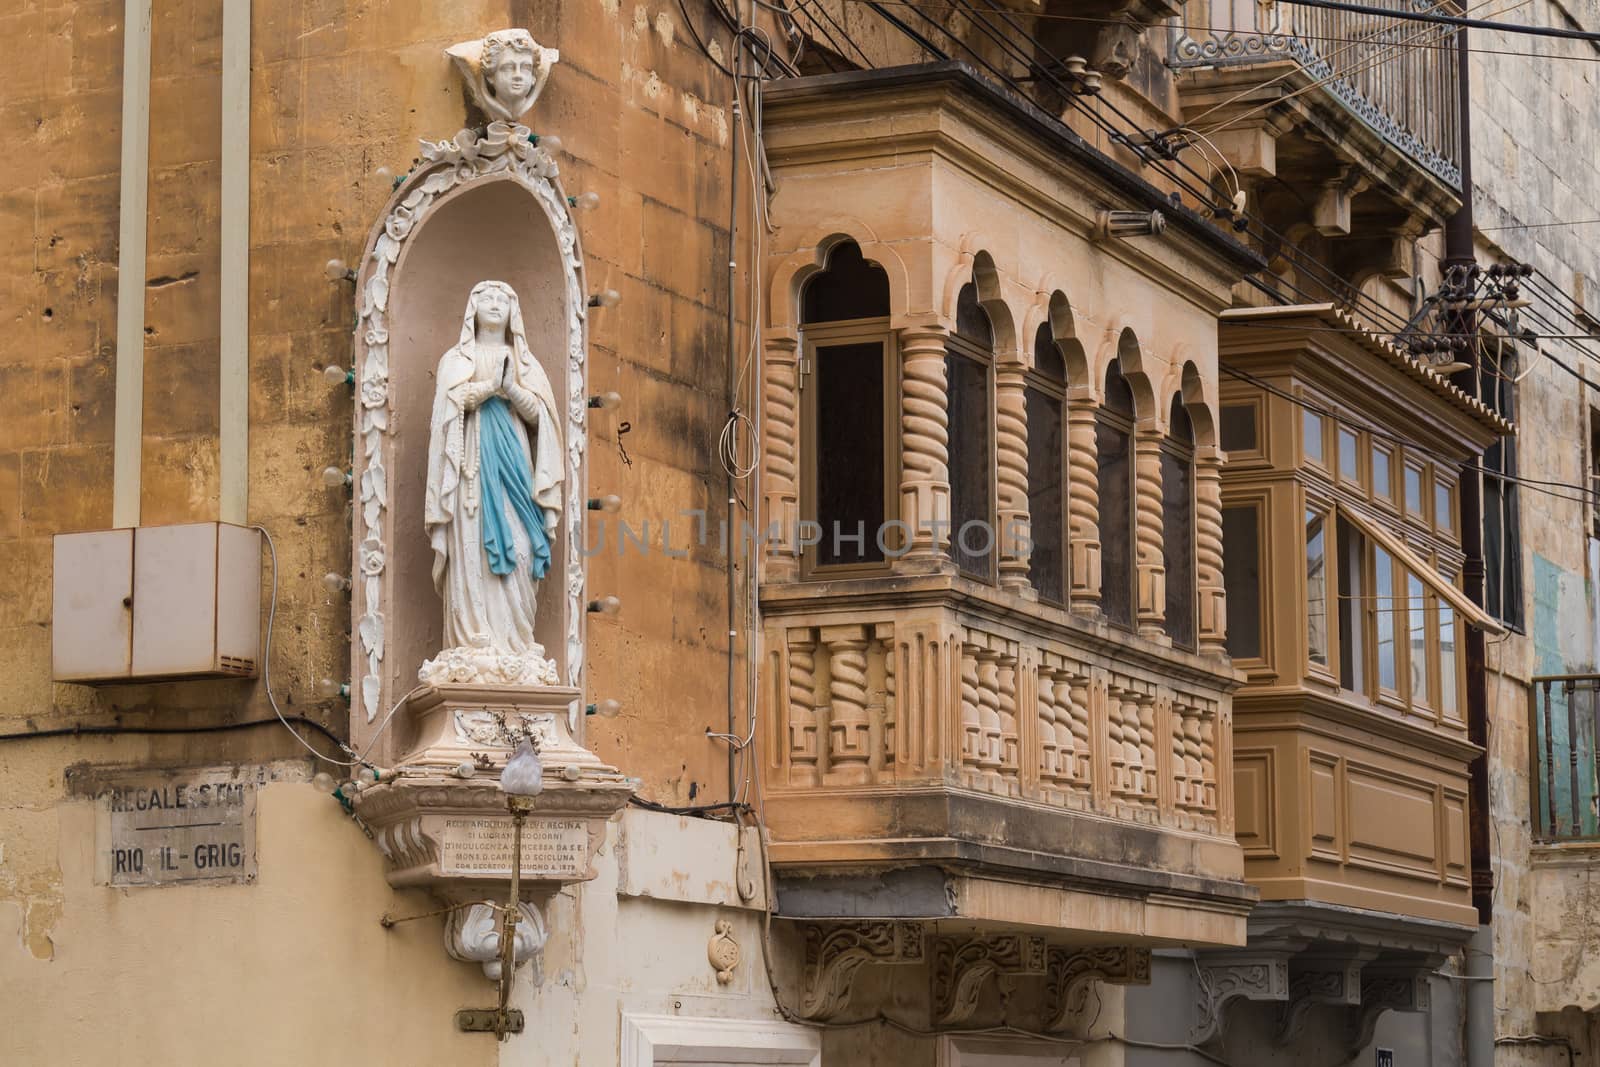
(1308, 957)
(958, 977)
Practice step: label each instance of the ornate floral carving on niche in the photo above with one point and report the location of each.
(500, 151)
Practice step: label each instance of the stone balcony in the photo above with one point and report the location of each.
(948, 750)
(1360, 115)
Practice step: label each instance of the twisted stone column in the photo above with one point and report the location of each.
(780, 453)
(1208, 550)
(1152, 607)
(803, 752)
(924, 447)
(1083, 504)
(1011, 450)
(849, 727)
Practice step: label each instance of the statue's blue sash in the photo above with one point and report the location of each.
(507, 481)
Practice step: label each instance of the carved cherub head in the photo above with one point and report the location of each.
(504, 71)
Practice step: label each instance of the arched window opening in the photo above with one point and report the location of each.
(845, 375)
(1114, 449)
(1047, 466)
(969, 373)
(1177, 525)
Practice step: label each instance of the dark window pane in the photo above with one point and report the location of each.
(851, 288)
(849, 382)
(1316, 587)
(1177, 544)
(972, 322)
(1352, 550)
(1047, 361)
(1495, 563)
(1119, 394)
(972, 535)
(1241, 579)
(1116, 523)
(1239, 428)
(1046, 497)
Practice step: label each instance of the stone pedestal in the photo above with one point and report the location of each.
(441, 819)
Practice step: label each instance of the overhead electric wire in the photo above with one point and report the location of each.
(1323, 274)
(1299, 34)
(1452, 20)
(1533, 484)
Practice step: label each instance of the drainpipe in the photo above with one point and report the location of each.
(1478, 1026)
(128, 426)
(234, 401)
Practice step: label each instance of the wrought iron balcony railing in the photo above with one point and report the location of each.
(1398, 77)
(1566, 757)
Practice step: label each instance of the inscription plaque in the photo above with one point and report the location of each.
(552, 847)
(191, 826)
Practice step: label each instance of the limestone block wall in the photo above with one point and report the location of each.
(337, 91)
(1532, 169)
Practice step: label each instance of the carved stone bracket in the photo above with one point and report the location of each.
(1317, 981)
(961, 969)
(1070, 975)
(834, 954)
(1229, 976)
(1387, 989)
(472, 935)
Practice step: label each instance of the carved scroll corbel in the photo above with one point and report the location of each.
(1325, 982)
(1387, 989)
(835, 953)
(1071, 975)
(961, 969)
(1228, 979)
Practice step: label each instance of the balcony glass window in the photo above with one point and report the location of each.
(1311, 433)
(969, 362)
(1417, 626)
(1447, 661)
(1413, 480)
(1444, 511)
(1177, 526)
(1384, 612)
(1241, 577)
(1349, 455)
(848, 348)
(1114, 447)
(1382, 472)
(1238, 426)
(1352, 548)
(1316, 587)
(1047, 484)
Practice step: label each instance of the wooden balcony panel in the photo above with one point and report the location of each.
(1042, 762)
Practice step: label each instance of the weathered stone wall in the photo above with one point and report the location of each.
(1534, 167)
(338, 90)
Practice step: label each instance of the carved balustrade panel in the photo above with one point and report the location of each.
(913, 697)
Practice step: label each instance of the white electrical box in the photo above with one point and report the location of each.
(157, 603)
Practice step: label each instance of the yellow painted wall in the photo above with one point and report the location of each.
(293, 969)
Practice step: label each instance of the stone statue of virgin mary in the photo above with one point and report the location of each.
(494, 496)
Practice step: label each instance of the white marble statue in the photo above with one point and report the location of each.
(505, 72)
(494, 496)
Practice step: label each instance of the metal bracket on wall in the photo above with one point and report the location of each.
(487, 1021)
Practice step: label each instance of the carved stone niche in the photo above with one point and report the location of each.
(486, 204)
(481, 213)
